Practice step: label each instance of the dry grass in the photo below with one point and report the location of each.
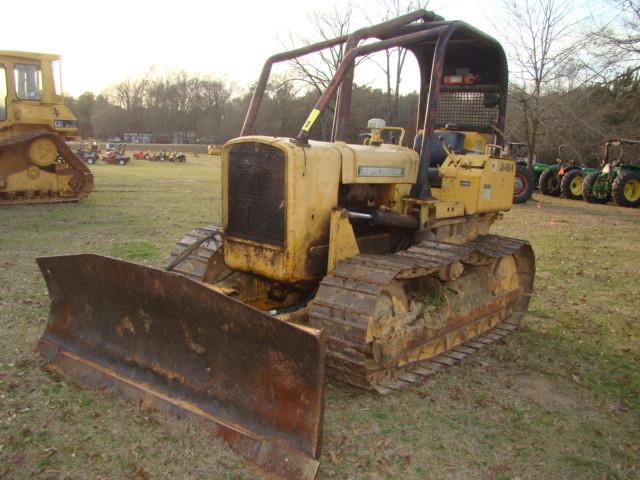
(559, 399)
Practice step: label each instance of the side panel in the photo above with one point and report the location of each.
(380, 164)
(484, 184)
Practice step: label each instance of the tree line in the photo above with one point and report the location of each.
(566, 87)
(215, 109)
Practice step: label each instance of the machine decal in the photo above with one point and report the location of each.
(313, 116)
(370, 171)
(507, 167)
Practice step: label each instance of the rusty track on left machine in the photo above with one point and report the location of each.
(82, 177)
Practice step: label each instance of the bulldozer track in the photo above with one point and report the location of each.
(83, 178)
(347, 296)
(191, 254)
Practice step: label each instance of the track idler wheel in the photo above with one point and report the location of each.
(43, 152)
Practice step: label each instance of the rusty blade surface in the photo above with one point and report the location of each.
(172, 343)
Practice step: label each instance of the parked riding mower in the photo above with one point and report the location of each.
(117, 156)
(565, 177)
(87, 155)
(177, 157)
(214, 149)
(141, 155)
(618, 178)
(161, 156)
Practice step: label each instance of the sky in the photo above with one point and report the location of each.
(104, 42)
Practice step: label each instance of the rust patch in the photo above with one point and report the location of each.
(146, 320)
(191, 342)
(171, 375)
(193, 350)
(125, 325)
(60, 326)
(292, 397)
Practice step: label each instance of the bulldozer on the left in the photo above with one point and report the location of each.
(36, 165)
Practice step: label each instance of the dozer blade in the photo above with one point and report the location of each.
(173, 344)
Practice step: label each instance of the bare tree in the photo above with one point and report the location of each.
(317, 70)
(544, 46)
(617, 42)
(394, 58)
(627, 38)
(129, 95)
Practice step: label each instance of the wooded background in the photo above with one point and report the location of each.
(573, 80)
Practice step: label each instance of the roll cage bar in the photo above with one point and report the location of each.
(616, 142)
(439, 46)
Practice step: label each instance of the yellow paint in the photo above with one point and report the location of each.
(475, 142)
(312, 179)
(449, 209)
(45, 181)
(33, 170)
(357, 157)
(43, 152)
(473, 184)
(214, 150)
(632, 190)
(576, 185)
(400, 130)
(31, 113)
(342, 240)
(481, 182)
(313, 116)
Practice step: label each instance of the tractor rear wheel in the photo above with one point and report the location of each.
(626, 189)
(571, 185)
(550, 183)
(523, 185)
(587, 190)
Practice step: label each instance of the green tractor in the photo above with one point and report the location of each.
(565, 177)
(526, 180)
(618, 179)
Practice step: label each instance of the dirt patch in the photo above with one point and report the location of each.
(545, 393)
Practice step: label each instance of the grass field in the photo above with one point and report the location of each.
(559, 399)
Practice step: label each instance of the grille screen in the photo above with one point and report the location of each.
(465, 110)
(256, 193)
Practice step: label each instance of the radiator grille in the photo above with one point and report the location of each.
(256, 193)
(465, 111)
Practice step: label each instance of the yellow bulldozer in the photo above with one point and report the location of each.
(370, 264)
(36, 165)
